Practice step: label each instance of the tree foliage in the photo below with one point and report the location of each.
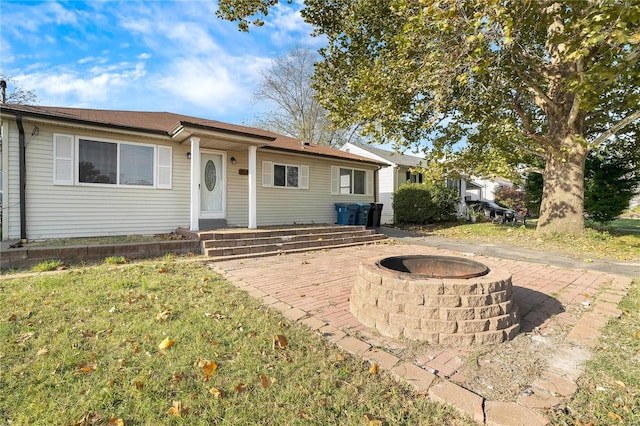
(487, 84)
(611, 179)
(287, 83)
(16, 94)
(512, 198)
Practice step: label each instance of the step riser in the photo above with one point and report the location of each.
(283, 239)
(300, 245)
(245, 234)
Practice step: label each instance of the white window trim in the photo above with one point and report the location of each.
(75, 166)
(268, 174)
(335, 181)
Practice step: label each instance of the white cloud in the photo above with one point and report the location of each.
(144, 56)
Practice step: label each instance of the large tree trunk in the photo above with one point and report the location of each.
(562, 208)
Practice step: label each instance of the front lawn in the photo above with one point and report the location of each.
(615, 245)
(170, 342)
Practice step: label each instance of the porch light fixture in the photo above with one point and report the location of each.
(189, 155)
(233, 160)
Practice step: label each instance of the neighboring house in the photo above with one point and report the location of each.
(390, 178)
(72, 172)
(484, 189)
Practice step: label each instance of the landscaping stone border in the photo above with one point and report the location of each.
(25, 257)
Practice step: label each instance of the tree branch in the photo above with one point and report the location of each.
(597, 142)
(536, 89)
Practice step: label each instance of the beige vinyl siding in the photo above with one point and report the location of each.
(58, 211)
(11, 199)
(287, 206)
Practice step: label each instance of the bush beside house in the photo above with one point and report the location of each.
(420, 204)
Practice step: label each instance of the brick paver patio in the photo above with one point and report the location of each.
(314, 288)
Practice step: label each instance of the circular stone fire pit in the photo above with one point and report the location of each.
(439, 299)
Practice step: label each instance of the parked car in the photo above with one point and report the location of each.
(493, 211)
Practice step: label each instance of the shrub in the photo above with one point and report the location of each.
(511, 198)
(421, 203)
(533, 193)
(115, 260)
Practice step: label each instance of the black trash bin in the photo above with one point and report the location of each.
(375, 213)
(362, 217)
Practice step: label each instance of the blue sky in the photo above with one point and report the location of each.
(153, 55)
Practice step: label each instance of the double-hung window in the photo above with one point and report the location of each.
(351, 181)
(277, 175)
(91, 161)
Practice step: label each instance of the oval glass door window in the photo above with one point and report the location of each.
(210, 175)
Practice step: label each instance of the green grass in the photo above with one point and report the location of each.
(82, 347)
(47, 265)
(625, 224)
(592, 244)
(609, 389)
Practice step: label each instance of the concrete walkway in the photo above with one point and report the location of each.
(568, 300)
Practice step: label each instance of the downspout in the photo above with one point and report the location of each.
(23, 178)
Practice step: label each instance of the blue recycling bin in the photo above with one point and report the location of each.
(346, 213)
(363, 213)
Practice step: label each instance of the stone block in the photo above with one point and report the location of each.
(415, 376)
(405, 321)
(457, 339)
(461, 287)
(452, 301)
(555, 384)
(422, 312)
(498, 297)
(541, 401)
(390, 306)
(408, 298)
(511, 414)
(501, 322)
(490, 337)
(380, 291)
(488, 312)
(431, 286)
(439, 326)
(388, 330)
(421, 335)
(455, 314)
(511, 332)
(475, 301)
(473, 326)
(384, 359)
(394, 283)
(461, 399)
(353, 346)
(368, 273)
(363, 316)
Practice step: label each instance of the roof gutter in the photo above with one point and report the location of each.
(23, 178)
(316, 154)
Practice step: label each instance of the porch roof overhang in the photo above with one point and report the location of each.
(217, 137)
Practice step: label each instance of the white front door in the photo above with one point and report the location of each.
(212, 185)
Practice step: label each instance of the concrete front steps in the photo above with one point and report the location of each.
(228, 244)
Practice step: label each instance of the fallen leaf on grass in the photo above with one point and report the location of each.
(87, 368)
(177, 410)
(614, 416)
(638, 334)
(620, 384)
(373, 369)
(164, 315)
(208, 367)
(240, 387)
(217, 393)
(12, 317)
(116, 422)
(163, 270)
(265, 381)
(166, 343)
(24, 337)
(279, 341)
(88, 419)
(43, 351)
(372, 420)
(177, 377)
(139, 385)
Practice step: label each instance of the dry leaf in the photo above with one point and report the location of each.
(372, 420)
(217, 393)
(373, 369)
(638, 334)
(43, 351)
(339, 357)
(24, 337)
(12, 317)
(303, 414)
(139, 385)
(177, 409)
(614, 416)
(279, 341)
(208, 367)
(87, 368)
(166, 343)
(177, 377)
(620, 384)
(265, 381)
(162, 316)
(240, 387)
(163, 270)
(116, 422)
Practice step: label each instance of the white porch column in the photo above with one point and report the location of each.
(195, 184)
(253, 222)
